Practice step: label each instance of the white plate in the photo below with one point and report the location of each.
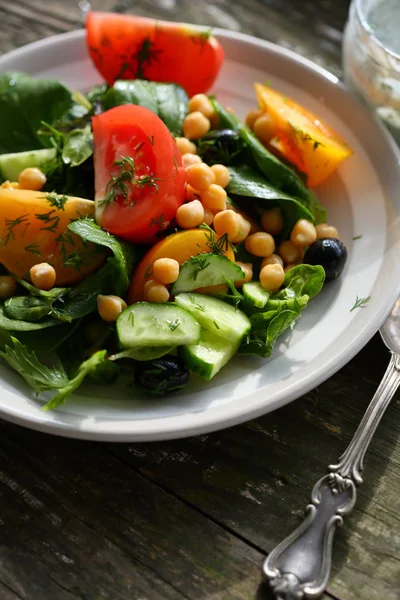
(362, 199)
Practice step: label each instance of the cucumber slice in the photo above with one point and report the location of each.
(208, 356)
(11, 165)
(216, 316)
(255, 294)
(144, 353)
(145, 324)
(205, 270)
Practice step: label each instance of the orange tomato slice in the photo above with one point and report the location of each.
(181, 246)
(302, 138)
(34, 229)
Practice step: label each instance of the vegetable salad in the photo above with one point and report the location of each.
(146, 232)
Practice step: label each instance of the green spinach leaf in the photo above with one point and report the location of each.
(303, 279)
(279, 174)
(167, 100)
(121, 264)
(78, 146)
(282, 309)
(17, 325)
(24, 103)
(249, 183)
(27, 308)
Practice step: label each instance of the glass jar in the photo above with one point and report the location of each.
(371, 57)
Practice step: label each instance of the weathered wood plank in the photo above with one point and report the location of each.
(257, 479)
(78, 519)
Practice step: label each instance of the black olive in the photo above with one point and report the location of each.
(161, 375)
(220, 146)
(330, 253)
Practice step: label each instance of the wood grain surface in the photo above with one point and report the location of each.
(194, 518)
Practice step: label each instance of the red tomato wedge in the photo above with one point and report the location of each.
(129, 47)
(139, 177)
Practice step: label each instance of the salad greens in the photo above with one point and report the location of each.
(44, 378)
(44, 334)
(167, 100)
(26, 102)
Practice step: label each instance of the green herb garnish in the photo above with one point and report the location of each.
(360, 303)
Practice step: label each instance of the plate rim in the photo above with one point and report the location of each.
(211, 419)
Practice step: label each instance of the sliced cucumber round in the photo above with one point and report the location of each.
(216, 316)
(204, 270)
(208, 356)
(255, 294)
(145, 324)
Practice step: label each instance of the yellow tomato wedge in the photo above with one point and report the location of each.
(34, 229)
(302, 138)
(181, 246)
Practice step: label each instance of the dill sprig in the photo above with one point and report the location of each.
(216, 245)
(119, 185)
(10, 225)
(360, 302)
(56, 200)
(199, 264)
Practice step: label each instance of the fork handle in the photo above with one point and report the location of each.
(299, 567)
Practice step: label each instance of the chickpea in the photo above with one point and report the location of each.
(43, 276)
(8, 286)
(190, 215)
(200, 103)
(208, 217)
(166, 270)
(10, 185)
(191, 193)
(290, 253)
(196, 125)
(214, 198)
(272, 277)
(247, 268)
(32, 179)
(288, 267)
(274, 259)
(264, 128)
(222, 176)
(244, 229)
(272, 221)
(252, 117)
(227, 221)
(155, 292)
(185, 146)
(326, 231)
(189, 159)
(109, 307)
(200, 177)
(303, 233)
(260, 244)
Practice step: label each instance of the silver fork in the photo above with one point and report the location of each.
(299, 567)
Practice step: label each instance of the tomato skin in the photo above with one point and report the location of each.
(130, 47)
(135, 132)
(33, 231)
(302, 138)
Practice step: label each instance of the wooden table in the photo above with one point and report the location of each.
(195, 518)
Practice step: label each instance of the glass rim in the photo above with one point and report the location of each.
(369, 31)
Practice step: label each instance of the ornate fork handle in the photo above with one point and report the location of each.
(298, 568)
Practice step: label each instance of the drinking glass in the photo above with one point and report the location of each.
(371, 57)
